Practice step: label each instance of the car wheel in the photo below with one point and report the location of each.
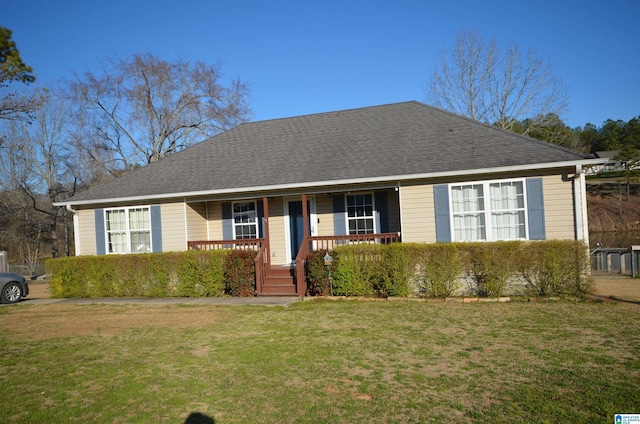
(11, 293)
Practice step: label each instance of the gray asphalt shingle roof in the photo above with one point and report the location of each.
(381, 141)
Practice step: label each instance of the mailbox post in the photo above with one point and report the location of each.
(328, 259)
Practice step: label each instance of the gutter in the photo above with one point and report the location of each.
(330, 183)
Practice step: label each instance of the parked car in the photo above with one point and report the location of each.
(14, 287)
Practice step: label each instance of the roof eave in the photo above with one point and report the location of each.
(317, 184)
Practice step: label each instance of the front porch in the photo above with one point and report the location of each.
(288, 278)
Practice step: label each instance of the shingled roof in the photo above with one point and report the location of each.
(390, 142)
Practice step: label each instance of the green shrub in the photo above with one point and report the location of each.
(318, 274)
(63, 277)
(490, 266)
(201, 278)
(355, 269)
(159, 275)
(374, 269)
(555, 268)
(159, 280)
(395, 269)
(239, 273)
(441, 267)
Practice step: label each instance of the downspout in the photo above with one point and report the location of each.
(585, 220)
(76, 230)
(580, 205)
(399, 191)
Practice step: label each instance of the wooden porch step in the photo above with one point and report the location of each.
(280, 271)
(279, 282)
(278, 290)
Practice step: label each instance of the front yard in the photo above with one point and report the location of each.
(321, 361)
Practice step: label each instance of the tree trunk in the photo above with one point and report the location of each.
(67, 235)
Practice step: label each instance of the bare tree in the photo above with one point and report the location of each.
(142, 108)
(35, 160)
(22, 230)
(500, 87)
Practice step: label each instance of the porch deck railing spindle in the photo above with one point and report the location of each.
(330, 242)
(243, 244)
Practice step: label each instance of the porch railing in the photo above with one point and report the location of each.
(242, 244)
(330, 242)
(311, 243)
(261, 264)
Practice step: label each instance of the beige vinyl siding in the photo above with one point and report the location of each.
(87, 232)
(276, 232)
(324, 212)
(174, 238)
(418, 214)
(558, 208)
(196, 221)
(418, 211)
(215, 220)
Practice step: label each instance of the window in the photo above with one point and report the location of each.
(128, 230)
(360, 214)
(507, 210)
(245, 220)
(467, 205)
(488, 211)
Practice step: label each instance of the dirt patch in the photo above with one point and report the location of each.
(617, 286)
(46, 321)
(56, 320)
(39, 291)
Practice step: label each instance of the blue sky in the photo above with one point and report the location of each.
(303, 57)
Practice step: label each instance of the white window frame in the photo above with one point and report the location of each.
(233, 219)
(127, 230)
(487, 210)
(373, 211)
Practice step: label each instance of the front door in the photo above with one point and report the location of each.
(296, 227)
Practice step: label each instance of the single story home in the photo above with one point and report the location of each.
(399, 172)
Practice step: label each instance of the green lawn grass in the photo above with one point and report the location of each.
(330, 362)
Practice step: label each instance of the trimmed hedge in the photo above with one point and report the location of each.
(181, 274)
(440, 268)
(536, 268)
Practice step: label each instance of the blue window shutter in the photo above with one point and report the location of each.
(382, 211)
(260, 207)
(101, 245)
(227, 221)
(443, 216)
(535, 209)
(156, 229)
(339, 215)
